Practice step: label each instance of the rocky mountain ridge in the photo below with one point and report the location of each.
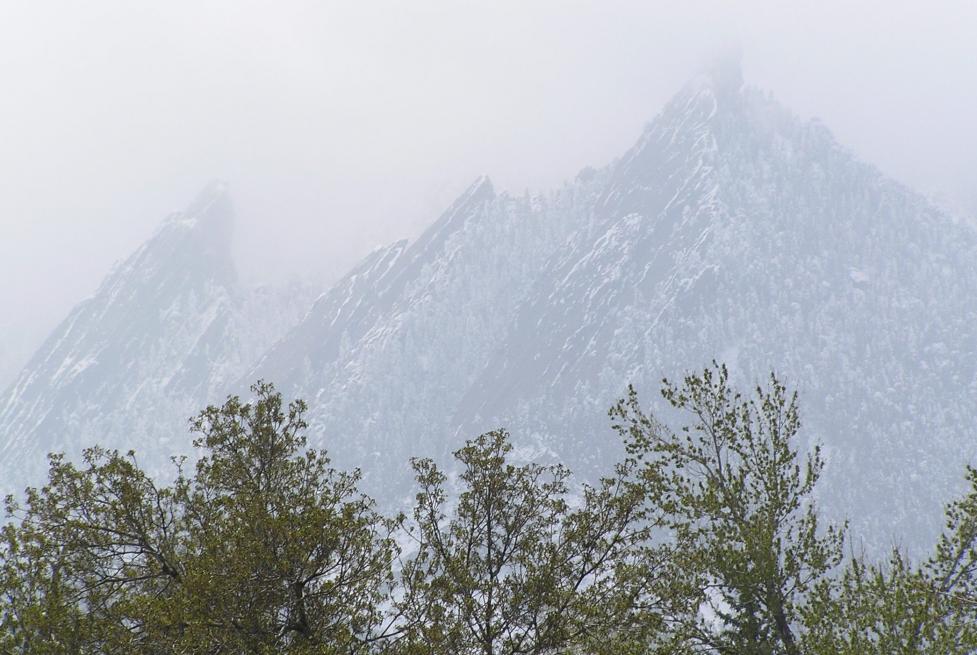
(163, 335)
(732, 230)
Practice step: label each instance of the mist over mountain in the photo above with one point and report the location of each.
(12, 354)
(732, 230)
(163, 334)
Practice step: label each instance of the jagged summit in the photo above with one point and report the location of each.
(193, 244)
(166, 329)
(723, 74)
(210, 216)
(471, 199)
(732, 230)
(207, 224)
(481, 185)
(212, 203)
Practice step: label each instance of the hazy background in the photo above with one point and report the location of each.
(340, 126)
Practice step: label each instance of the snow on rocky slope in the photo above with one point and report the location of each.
(164, 334)
(732, 230)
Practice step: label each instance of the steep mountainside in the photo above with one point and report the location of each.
(386, 355)
(163, 335)
(13, 350)
(734, 231)
(731, 230)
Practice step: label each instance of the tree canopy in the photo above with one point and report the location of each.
(705, 538)
(265, 548)
(515, 566)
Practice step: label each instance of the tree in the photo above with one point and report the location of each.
(704, 539)
(740, 506)
(952, 570)
(265, 549)
(36, 611)
(513, 567)
(902, 608)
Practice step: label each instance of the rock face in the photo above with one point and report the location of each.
(385, 358)
(730, 231)
(13, 351)
(734, 231)
(163, 335)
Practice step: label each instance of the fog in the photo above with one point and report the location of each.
(341, 126)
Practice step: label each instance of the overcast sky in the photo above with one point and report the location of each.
(343, 125)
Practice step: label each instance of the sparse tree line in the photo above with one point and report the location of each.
(704, 539)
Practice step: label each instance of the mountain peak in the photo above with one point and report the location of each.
(481, 187)
(724, 74)
(681, 144)
(210, 212)
(215, 191)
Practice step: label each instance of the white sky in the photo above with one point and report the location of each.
(343, 125)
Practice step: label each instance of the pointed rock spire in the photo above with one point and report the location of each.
(725, 72)
(209, 216)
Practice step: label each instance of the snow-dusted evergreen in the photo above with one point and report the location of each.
(732, 231)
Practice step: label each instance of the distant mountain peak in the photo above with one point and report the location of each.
(732, 230)
(213, 192)
(165, 333)
(480, 189)
(209, 215)
(723, 74)
(718, 88)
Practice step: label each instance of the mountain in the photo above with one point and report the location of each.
(13, 352)
(388, 353)
(732, 230)
(164, 334)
